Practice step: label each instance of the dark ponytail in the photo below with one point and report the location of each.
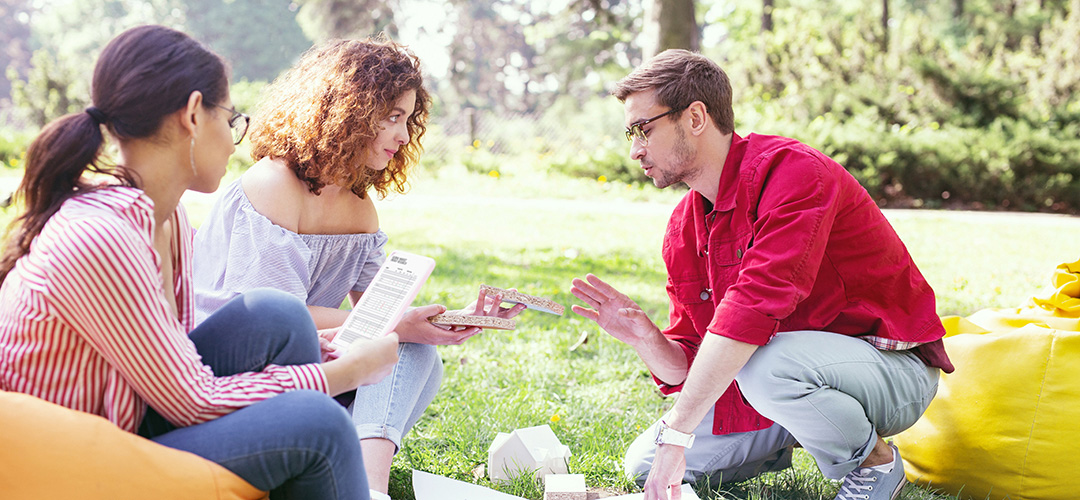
(142, 76)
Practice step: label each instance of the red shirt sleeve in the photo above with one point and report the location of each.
(795, 214)
(681, 330)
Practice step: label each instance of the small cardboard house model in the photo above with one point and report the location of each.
(533, 449)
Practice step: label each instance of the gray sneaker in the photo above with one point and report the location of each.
(868, 484)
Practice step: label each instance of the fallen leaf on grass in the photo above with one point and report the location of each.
(582, 340)
(478, 472)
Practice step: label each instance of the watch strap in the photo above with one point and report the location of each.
(666, 435)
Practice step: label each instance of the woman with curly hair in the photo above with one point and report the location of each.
(347, 120)
(96, 301)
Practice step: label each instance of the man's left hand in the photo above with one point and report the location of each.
(667, 472)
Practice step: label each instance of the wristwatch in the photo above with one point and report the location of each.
(667, 435)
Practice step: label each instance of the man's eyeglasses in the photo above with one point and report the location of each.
(636, 131)
(238, 122)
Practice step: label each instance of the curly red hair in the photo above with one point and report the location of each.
(322, 115)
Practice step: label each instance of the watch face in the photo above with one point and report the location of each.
(659, 435)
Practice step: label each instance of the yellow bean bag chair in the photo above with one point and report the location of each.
(1006, 423)
(48, 451)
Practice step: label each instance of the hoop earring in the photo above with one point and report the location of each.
(191, 155)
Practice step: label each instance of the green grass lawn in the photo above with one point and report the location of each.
(599, 397)
(536, 233)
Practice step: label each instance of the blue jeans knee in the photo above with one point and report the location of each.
(255, 329)
(275, 312)
(389, 409)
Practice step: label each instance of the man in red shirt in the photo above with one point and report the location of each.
(797, 315)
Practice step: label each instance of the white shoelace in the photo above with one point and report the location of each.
(854, 484)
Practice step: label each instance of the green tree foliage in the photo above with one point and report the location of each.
(522, 56)
(492, 61)
(66, 45)
(81, 28)
(259, 38)
(967, 112)
(970, 104)
(589, 46)
(52, 89)
(933, 102)
(328, 19)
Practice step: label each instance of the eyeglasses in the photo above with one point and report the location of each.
(238, 122)
(635, 131)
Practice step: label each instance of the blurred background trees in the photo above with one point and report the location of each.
(970, 103)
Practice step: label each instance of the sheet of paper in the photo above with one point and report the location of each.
(687, 494)
(428, 486)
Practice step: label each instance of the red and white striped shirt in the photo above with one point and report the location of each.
(84, 321)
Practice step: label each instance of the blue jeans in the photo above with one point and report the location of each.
(389, 408)
(296, 445)
(833, 394)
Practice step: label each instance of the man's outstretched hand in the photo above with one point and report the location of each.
(616, 313)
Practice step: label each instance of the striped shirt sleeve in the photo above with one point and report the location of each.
(107, 286)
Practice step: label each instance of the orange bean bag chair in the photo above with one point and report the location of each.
(48, 451)
(1004, 424)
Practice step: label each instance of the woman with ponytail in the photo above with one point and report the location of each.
(96, 301)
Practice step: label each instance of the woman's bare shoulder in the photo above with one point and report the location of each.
(367, 218)
(275, 192)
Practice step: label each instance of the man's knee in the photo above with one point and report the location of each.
(760, 376)
(780, 369)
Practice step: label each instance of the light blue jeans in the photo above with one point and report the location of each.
(389, 409)
(832, 394)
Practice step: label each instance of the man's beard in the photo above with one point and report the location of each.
(682, 159)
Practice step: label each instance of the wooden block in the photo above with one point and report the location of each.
(565, 487)
(491, 322)
(566, 496)
(530, 301)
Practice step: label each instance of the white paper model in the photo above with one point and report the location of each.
(527, 450)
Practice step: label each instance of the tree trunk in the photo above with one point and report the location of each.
(766, 15)
(958, 9)
(1012, 34)
(669, 24)
(885, 25)
(1039, 26)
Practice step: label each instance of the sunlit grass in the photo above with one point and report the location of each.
(510, 235)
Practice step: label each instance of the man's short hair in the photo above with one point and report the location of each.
(681, 77)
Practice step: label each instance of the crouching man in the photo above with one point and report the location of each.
(797, 315)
